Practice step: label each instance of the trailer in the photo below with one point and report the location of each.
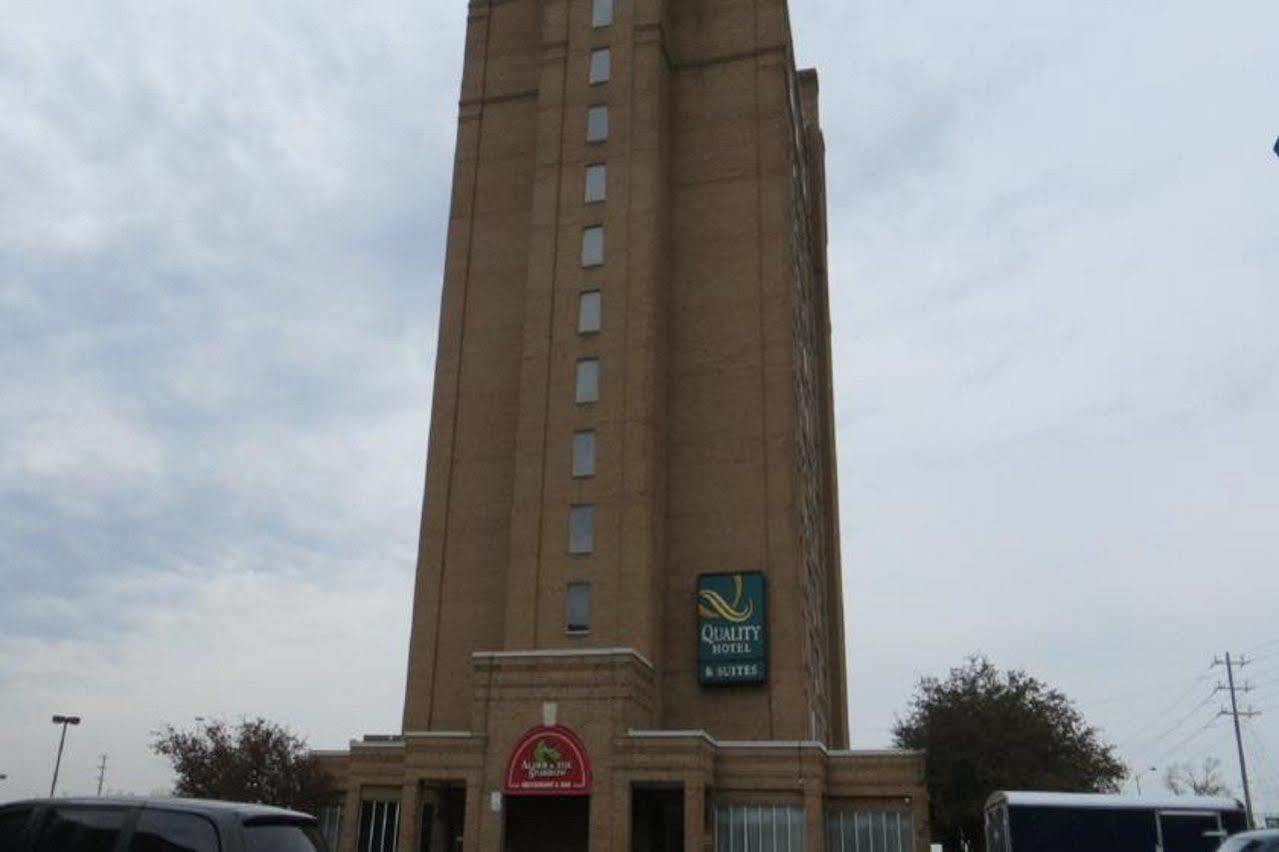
(1088, 822)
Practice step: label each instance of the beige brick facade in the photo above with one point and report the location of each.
(713, 446)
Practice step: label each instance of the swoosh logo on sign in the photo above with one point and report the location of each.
(713, 605)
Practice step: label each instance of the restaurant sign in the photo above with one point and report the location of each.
(548, 761)
(732, 629)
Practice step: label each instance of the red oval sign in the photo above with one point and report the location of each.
(549, 761)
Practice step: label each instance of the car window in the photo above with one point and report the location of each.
(282, 837)
(76, 829)
(169, 831)
(1244, 844)
(12, 824)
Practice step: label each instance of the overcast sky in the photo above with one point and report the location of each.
(1054, 278)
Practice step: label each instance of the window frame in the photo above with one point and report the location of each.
(594, 247)
(584, 628)
(597, 124)
(604, 66)
(602, 14)
(584, 298)
(588, 470)
(600, 169)
(584, 364)
(366, 843)
(586, 546)
(146, 813)
(38, 832)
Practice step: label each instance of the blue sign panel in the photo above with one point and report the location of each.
(732, 629)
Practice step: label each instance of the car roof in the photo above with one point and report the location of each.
(243, 810)
(1015, 798)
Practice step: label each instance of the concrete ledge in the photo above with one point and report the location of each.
(563, 653)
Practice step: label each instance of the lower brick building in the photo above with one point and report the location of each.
(628, 628)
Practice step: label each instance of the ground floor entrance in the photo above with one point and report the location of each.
(657, 819)
(562, 754)
(547, 823)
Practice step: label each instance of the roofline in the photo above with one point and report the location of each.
(248, 810)
(790, 745)
(1031, 798)
(564, 652)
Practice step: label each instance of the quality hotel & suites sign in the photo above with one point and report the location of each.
(732, 628)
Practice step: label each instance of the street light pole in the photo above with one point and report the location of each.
(1137, 777)
(64, 721)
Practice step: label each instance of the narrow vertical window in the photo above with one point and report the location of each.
(588, 380)
(584, 453)
(601, 13)
(601, 66)
(589, 312)
(597, 123)
(593, 246)
(596, 182)
(577, 615)
(581, 529)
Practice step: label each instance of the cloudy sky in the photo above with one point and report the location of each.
(1054, 254)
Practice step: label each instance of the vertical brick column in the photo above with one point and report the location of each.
(350, 830)
(410, 816)
(483, 831)
(537, 291)
(695, 835)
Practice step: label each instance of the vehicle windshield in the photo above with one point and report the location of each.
(1249, 843)
(282, 837)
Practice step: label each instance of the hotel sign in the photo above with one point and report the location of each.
(732, 629)
(548, 761)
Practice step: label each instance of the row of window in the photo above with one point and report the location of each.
(738, 828)
(870, 831)
(330, 820)
(780, 828)
(379, 826)
(586, 390)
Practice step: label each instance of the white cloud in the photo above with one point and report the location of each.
(294, 645)
(220, 252)
(1052, 268)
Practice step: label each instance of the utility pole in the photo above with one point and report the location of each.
(102, 772)
(1235, 714)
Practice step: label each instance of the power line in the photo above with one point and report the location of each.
(1187, 741)
(1147, 744)
(1151, 692)
(1169, 709)
(1270, 643)
(1270, 777)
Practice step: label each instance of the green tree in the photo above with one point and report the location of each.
(255, 761)
(985, 730)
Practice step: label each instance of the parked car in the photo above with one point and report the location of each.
(153, 825)
(1253, 841)
(1087, 822)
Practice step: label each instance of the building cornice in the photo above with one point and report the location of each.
(564, 653)
(791, 745)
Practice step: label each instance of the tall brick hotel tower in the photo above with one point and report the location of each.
(628, 629)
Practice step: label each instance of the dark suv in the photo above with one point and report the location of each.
(153, 825)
